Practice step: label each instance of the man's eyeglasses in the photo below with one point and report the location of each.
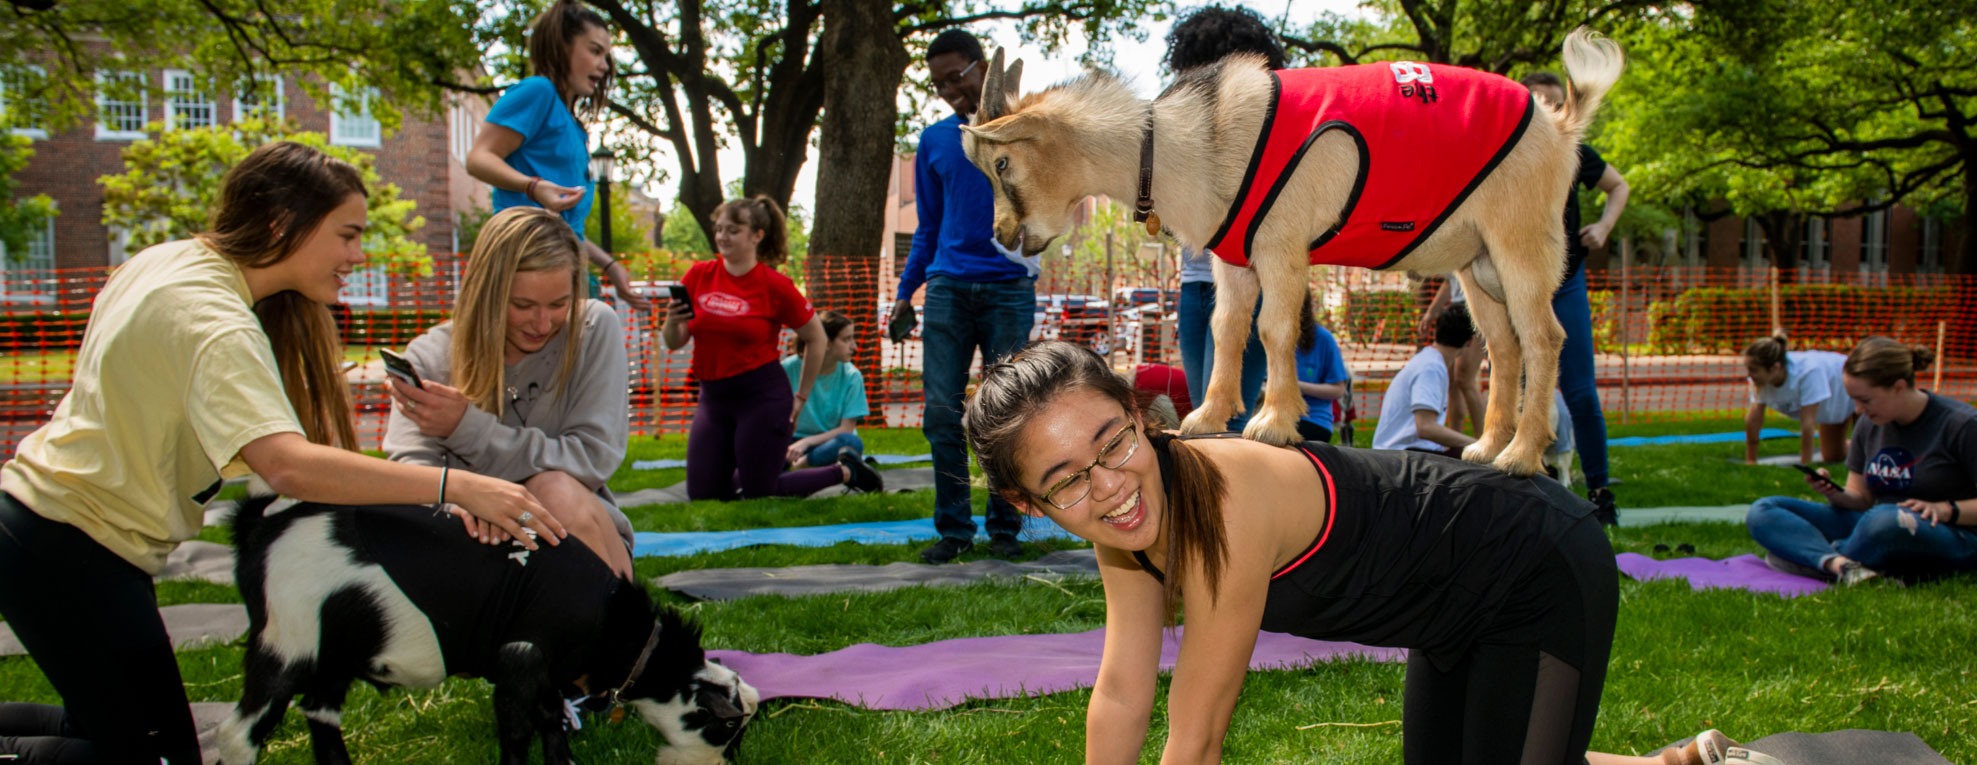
(954, 80)
(1076, 486)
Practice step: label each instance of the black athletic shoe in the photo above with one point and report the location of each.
(863, 477)
(1005, 546)
(945, 550)
(1603, 507)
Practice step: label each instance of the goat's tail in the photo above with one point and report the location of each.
(247, 517)
(1592, 63)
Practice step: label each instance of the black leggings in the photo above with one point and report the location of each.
(1528, 694)
(90, 621)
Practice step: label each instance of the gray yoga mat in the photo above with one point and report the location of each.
(797, 581)
(902, 479)
(187, 625)
(196, 559)
(1844, 747)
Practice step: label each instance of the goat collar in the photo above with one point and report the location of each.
(618, 693)
(1143, 208)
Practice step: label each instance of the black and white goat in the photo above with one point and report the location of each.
(400, 596)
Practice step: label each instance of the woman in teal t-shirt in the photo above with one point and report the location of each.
(827, 428)
(534, 149)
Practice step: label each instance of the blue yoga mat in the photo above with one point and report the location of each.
(883, 459)
(646, 544)
(1700, 438)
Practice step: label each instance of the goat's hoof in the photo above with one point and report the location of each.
(1520, 462)
(1204, 420)
(1482, 452)
(1267, 427)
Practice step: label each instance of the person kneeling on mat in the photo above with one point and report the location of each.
(1492, 581)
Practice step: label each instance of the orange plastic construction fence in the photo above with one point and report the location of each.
(1667, 339)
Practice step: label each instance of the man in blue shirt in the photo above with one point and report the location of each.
(979, 296)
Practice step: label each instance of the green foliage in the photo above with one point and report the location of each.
(1377, 316)
(19, 218)
(1803, 107)
(1721, 320)
(683, 233)
(628, 232)
(171, 183)
(402, 49)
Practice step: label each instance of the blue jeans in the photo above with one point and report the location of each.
(1575, 377)
(826, 452)
(1808, 533)
(960, 319)
(1197, 341)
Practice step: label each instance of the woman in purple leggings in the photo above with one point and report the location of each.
(736, 308)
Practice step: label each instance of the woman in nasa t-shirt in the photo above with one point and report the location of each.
(1910, 502)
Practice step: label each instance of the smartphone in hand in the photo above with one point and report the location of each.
(396, 366)
(1819, 477)
(902, 324)
(679, 297)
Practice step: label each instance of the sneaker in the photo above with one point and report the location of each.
(1782, 566)
(1852, 574)
(1603, 508)
(945, 550)
(863, 477)
(1005, 546)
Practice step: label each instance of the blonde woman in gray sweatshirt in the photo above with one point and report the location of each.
(526, 383)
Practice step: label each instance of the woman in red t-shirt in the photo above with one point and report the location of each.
(739, 307)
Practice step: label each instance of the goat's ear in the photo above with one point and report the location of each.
(993, 104)
(1010, 129)
(1012, 82)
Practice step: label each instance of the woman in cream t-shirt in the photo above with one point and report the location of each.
(204, 359)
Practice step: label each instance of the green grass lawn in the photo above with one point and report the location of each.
(1876, 657)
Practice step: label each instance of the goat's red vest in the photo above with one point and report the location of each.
(1428, 135)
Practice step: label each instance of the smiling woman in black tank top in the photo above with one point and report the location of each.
(1504, 589)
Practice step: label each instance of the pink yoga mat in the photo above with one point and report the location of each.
(1744, 572)
(949, 672)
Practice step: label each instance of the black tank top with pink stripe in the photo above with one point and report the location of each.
(1420, 551)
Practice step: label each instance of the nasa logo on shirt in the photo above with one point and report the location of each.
(1892, 470)
(723, 304)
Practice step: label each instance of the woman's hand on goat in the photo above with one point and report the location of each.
(508, 507)
(436, 408)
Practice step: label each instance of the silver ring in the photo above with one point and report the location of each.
(525, 517)
(410, 404)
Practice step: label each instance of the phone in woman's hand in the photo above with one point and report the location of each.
(1818, 476)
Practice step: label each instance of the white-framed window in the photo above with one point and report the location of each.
(369, 286)
(1754, 244)
(1932, 247)
(17, 86)
(262, 95)
(185, 106)
(30, 278)
(351, 123)
(464, 128)
(1874, 242)
(120, 106)
(1818, 249)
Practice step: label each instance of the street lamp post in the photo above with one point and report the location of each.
(602, 162)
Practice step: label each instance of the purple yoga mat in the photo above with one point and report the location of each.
(1744, 572)
(943, 674)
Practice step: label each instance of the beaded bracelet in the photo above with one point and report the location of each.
(446, 464)
(530, 190)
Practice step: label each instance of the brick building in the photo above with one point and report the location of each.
(424, 157)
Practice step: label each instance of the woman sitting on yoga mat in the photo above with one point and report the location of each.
(205, 358)
(1910, 502)
(526, 383)
(736, 308)
(1503, 588)
(1802, 385)
(828, 424)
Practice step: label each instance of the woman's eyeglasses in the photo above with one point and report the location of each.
(1076, 486)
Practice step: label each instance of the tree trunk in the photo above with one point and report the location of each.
(1785, 236)
(867, 64)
